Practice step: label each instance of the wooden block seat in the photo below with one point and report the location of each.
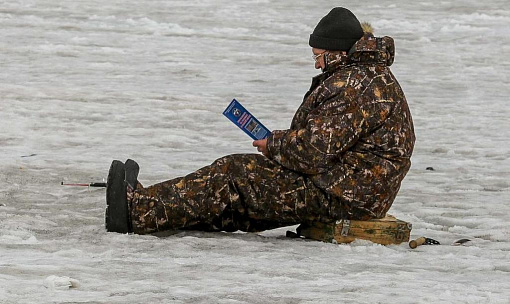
(385, 231)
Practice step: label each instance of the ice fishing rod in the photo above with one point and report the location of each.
(428, 241)
(103, 185)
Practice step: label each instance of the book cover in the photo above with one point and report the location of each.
(245, 121)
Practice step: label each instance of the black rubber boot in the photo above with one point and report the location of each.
(117, 210)
(132, 170)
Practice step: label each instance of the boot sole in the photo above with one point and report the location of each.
(117, 213)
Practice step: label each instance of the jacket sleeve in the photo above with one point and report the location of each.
(328, 133)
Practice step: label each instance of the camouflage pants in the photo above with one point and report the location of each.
(245, 192)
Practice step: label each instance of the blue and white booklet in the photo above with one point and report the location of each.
(245, 121)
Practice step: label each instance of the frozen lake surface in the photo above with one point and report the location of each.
(86, 82)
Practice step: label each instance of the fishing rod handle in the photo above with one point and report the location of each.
(97, 185)
(418, 242)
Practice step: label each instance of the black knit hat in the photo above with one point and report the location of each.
(337, 31)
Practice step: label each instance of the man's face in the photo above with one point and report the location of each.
(319, 59)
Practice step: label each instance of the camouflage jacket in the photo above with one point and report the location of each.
(353, 134)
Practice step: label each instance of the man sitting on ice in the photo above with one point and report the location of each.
(343, 157)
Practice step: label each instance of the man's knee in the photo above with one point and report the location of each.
(239, 161)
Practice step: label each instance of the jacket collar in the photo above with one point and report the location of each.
(367, 50)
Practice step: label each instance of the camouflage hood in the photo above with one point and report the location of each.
(367, 50)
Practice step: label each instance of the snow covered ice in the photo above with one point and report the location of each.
(86, 82)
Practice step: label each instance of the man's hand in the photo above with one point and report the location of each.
(261, 145)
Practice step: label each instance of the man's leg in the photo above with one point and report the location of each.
(238, 192)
